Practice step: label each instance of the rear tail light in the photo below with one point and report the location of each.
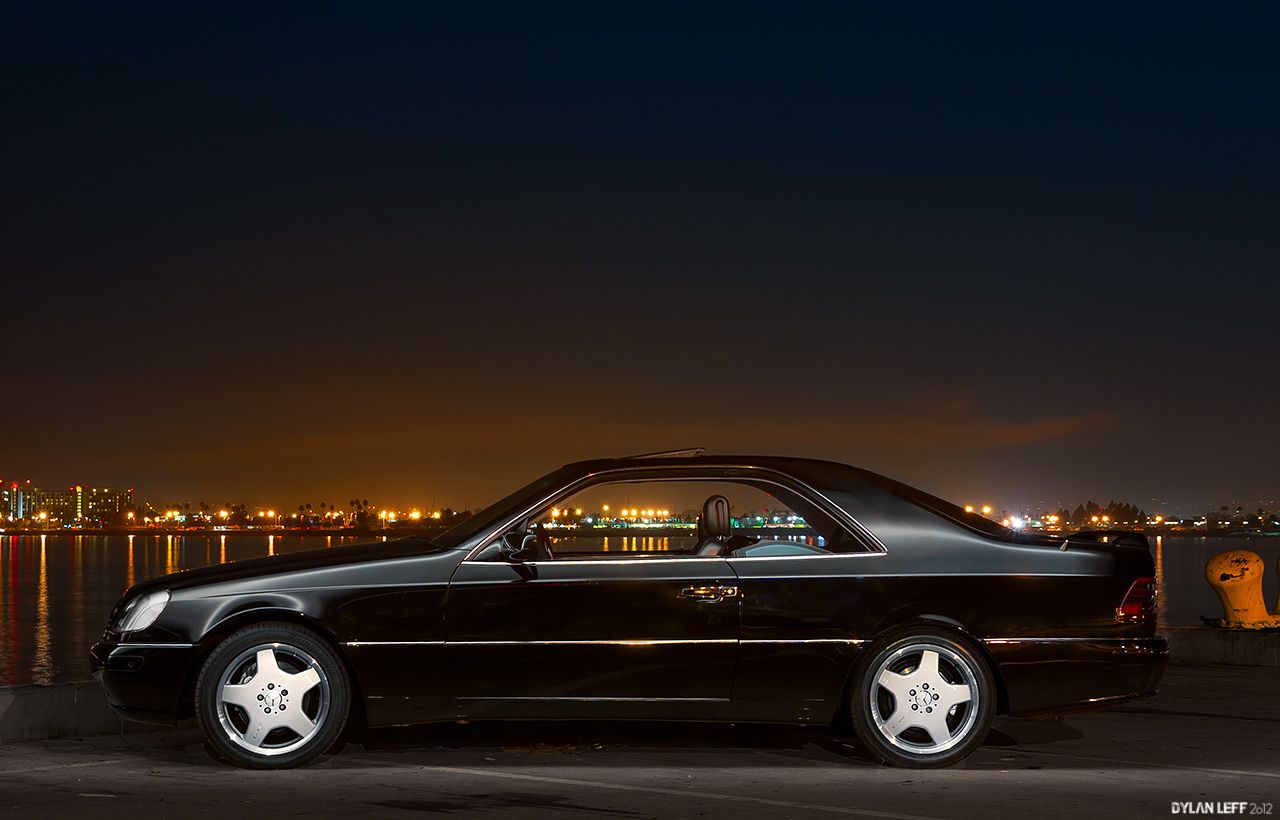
(1139, 604)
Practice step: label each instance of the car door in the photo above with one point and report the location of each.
(547, 634)
(802, 627)
(805, 613)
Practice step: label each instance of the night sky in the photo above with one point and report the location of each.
(420, 253)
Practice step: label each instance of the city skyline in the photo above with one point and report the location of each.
(17, 496)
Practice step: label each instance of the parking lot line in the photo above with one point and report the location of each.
(686, 794)
(1146, 764)
(55, 766)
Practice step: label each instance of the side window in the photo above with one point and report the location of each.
(664, 518)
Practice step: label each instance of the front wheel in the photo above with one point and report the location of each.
(923, 699)
(272, 696)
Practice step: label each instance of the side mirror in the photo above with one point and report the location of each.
(519, 547)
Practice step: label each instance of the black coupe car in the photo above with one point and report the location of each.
(810, 592)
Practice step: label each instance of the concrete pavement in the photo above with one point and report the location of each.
(1212, 735)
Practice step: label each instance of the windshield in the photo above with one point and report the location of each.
(500, 510)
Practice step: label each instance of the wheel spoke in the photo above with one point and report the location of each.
(928, 664)
(301, 683)
(257, 731)
(936, 726)
(267, 663)
(297, 721)
(900, 722)
(899, 685)
(954, 693)
(244, 695)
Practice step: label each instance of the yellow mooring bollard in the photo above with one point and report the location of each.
(1237, 578)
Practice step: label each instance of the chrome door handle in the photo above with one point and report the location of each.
(709, 593)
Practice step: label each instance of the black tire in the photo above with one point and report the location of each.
(965, 724)
(229, 728)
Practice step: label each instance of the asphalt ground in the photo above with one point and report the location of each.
(1212, 735)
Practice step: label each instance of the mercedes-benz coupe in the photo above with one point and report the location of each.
(808, 592)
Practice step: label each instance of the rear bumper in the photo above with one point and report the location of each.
(1056, 675)
(143, 682)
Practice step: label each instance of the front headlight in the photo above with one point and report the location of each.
(142, 611)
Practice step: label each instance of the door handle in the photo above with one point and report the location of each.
(709, 593)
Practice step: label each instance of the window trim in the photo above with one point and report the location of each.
(702, 472)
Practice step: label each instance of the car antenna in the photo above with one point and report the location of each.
(689, 452)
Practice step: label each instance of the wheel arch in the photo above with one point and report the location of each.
(937, 622)
(229, 625)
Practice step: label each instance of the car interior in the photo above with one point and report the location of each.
(787, 524)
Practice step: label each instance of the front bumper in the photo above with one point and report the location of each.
(144, 681)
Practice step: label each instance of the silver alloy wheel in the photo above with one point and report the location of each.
(925, 698)
(272, 699)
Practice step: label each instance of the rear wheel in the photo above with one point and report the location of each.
(923, 699)
(272, 696)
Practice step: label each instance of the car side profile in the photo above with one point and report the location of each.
(810, 592)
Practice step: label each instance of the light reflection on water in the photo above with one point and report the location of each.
(639, 543)
(1162, 603)
(580, 545)
(42, 665)
(56, 591)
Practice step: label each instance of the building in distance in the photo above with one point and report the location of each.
(82, 506)
(15, 499)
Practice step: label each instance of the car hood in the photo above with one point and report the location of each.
(321, 558)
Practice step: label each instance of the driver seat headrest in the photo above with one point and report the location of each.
(715, 517)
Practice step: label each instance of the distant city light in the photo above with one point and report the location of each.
(84, 507)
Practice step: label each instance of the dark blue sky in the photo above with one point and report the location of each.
(1020, 251)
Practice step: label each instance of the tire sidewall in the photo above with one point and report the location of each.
(860, 694)
(206, 694)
